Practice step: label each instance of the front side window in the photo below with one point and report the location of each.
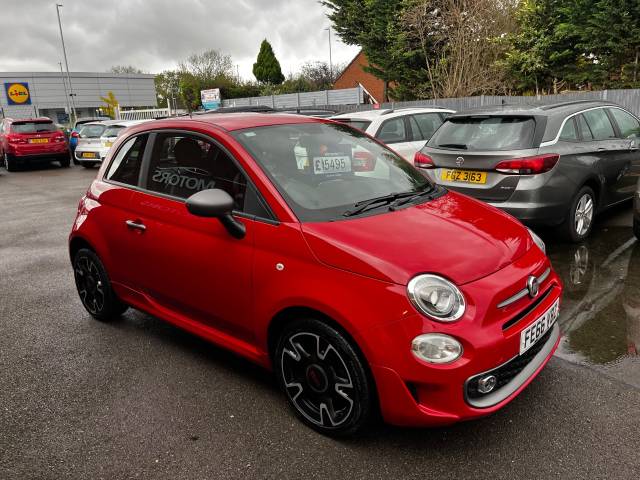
(599, 124)
(322, 170)
(392, 131)
(355, 123)
(125, 167)
(182, 164)
(485, 133)
(627, 123)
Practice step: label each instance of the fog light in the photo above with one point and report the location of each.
(436, 348)
(486, 384)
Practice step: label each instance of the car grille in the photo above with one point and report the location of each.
(506, 372)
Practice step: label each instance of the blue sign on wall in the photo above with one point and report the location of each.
(17, 93)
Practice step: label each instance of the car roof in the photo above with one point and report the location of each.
(234, 121)
(390, 112)
(549, 110)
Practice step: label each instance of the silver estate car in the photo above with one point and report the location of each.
(554, 165)
(636, 212)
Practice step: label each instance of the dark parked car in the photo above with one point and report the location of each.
(553, 165)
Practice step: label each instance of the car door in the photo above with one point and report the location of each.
(188, 265)
(628, 130)
(395, 133)
(2, 135)
(610, 151)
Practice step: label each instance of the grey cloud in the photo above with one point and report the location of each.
(157, 34)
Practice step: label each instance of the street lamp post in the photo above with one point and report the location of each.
(330, 61)
(66, 93)
(66, 64)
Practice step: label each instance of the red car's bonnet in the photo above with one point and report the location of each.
(454, 235)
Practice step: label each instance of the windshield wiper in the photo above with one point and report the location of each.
(460, 146)
(360, 207)
(427, 192)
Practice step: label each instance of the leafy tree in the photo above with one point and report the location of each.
(167, 85)
(267, 68)
(110, 104)
(208, 65)
(125, 69)
(189, 90)
(373, 25)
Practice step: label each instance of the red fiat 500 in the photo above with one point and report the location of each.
(313, 250)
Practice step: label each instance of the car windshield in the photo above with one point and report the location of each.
(485, 133)
(326, 171)
(92, 131)
(359, 124)
(113, 131)
(32, 127)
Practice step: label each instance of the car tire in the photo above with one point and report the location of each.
(9, 163)
(324, 378)
(94, 288)
(65, 162)
(636, 228)
(579, 222)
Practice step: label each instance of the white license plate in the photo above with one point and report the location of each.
(331, 164)
(534, 332)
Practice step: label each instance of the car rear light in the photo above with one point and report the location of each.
(75, 134)
(421, 160)
(58, 138)
(363, 162)
(16, 139)
(528, 165)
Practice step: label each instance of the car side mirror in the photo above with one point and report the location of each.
(216, 203)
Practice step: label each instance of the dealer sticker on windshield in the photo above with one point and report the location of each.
(534, 332)
(331, 164)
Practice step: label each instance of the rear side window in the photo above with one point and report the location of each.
(182, 165)
(569, 132)
(32, 127)
(485, 133)
(599, 124)
(427, 124)
(585, 131)
(627, 123)
(392, 131)
(125, 167)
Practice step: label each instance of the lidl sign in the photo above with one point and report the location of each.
(17, 93)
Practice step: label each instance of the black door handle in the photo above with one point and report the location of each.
(136, 225)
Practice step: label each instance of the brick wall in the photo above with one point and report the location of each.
(354, 74)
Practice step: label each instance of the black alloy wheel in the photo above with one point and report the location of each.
(323, 378)
(94, 287)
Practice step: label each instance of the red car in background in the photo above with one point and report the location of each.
(313, 250)
(33, 140)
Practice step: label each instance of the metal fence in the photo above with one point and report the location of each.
(146, 114)
(629, 99)
(342, 97)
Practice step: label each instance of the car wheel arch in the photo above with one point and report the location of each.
(595, 185)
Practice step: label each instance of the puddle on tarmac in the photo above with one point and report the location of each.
(600, 311)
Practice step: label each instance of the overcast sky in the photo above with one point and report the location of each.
(155, 35)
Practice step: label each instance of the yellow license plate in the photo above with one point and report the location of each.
(38, 140)
(466, 176)
(88, 155)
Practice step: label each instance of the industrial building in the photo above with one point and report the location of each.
(50, 94)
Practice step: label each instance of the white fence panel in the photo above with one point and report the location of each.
(146, 114)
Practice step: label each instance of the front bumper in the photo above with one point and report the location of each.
(414, 393)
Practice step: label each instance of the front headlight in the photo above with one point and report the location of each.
(436, 348)
(537, 240)
(436, 297)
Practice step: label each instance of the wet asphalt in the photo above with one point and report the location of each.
(138, 398)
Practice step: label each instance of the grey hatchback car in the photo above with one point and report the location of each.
(554, 165)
